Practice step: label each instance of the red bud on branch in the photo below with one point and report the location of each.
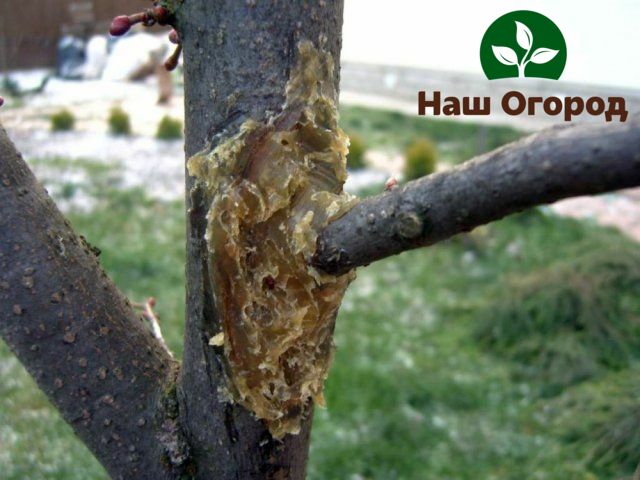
(123, 23)
(120, 25)
(174, 37)
(160, 14)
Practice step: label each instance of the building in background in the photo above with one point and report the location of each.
(30, 29)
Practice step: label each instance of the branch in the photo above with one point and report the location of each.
(76, 334)
(146, 310)
(545, 167)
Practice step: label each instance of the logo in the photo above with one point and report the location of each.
(523, 44)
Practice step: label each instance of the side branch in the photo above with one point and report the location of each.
(545, 167)
(76, 334)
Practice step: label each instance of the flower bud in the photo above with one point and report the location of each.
(120, 25)
(174, 37)
(160, 14)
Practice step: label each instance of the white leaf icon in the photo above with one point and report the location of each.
(543, 55)
(505, 55)
(524, 36)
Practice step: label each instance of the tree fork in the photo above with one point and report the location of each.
(238, 55)
(112, 380)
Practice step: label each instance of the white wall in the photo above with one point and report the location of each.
(603, 36)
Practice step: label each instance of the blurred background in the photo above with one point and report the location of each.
(509, 352)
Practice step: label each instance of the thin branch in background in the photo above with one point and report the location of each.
(391, 184)
(146, 310)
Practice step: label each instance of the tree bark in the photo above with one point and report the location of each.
(111, 379)
(545, 167)
(77, 335)
(238, 55)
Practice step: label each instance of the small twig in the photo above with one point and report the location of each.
(148, 314)
(172, 61)
(157, 14)
(391, 184)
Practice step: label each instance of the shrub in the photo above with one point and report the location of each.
(62, 121)
(169, 129)
(119, 123)
(11, 87)
(420, 159)
(569, 321)
(355, 158)
(601, 420)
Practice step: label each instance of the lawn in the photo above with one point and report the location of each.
(446, 364)
(456, 141)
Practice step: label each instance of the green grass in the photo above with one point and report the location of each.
(357, 150)
(599, 421)
(412, 394)
(63, 121)
(142, 240)
(456, 141)
(119, 122)
(572, 320)
(420, 159)
(169, 129)
(35, 443)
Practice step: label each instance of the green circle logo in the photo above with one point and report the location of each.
(523, 44)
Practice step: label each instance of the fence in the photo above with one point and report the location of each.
(30, 29)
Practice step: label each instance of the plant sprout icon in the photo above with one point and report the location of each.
(507, 56)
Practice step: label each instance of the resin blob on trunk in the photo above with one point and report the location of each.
(274, 186)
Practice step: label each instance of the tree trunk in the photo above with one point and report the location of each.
(238, 55)
(88, 350)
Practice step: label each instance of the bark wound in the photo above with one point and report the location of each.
(274, 186)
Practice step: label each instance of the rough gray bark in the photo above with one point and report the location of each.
(112, 381)
(238, 55)
(545, 167)
(76, 334)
